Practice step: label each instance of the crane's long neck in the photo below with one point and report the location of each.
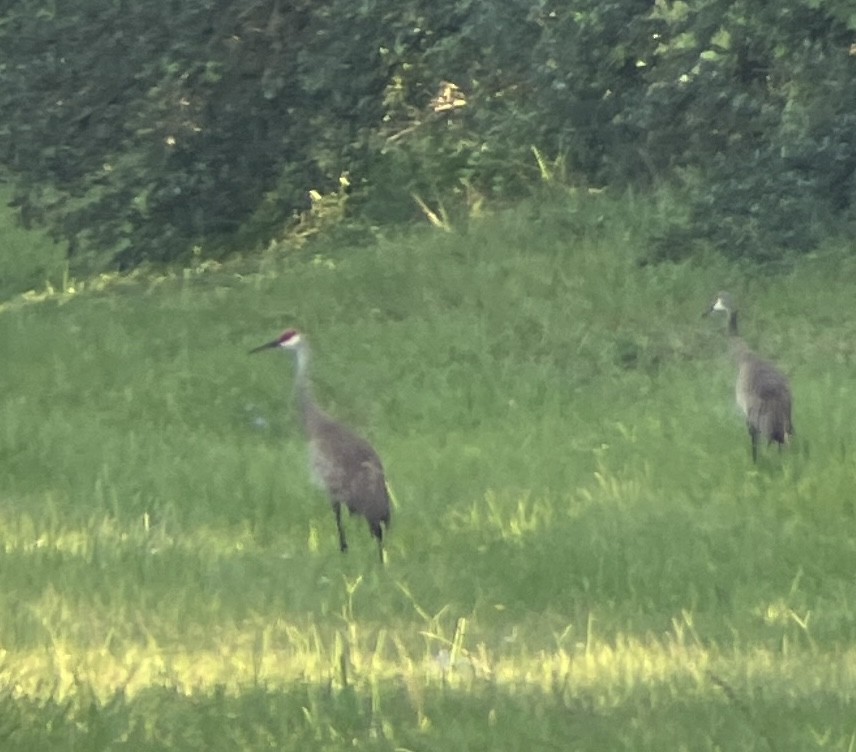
(732, 323)
(739, 349)
(303, 387)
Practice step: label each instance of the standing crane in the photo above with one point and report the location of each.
(762, 390)
(340, 462)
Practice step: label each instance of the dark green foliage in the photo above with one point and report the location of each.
(156, 132)
(141, 130)
(760, 106)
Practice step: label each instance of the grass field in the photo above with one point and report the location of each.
(582, 555)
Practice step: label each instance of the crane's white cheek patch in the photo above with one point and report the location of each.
(718, 306)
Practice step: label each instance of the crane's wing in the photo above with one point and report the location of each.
(768, 400)
(350, 470)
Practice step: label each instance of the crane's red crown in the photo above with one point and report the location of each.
(289, 339)
(289, 336)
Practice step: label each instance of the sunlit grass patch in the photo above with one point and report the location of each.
(278, 653)
(366, 689)
(508, 515)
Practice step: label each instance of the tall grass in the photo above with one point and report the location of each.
(582, 554)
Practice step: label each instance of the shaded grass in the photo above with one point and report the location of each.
(580, 543)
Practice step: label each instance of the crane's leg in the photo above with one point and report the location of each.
(343, 544)
(753, 435)
(377, 532)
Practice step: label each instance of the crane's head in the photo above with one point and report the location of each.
(722, 302)
(290, 339)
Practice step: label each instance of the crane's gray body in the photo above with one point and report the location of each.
(346, 467)
(340, 462)
(764, 396)
(762, 391)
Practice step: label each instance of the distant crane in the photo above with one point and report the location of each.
(762, 390)
(342, 463)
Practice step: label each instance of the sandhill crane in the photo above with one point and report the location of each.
(762, 390)
(340, 462)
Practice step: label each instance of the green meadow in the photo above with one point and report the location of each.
(582, 555)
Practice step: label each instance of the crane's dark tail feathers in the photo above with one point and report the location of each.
(776, 425)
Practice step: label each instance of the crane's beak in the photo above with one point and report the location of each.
(268, 346)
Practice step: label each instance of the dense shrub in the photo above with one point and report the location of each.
(760, 107)
(154, 131)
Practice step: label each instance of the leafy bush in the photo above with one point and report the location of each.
(760, 107)
(151, 133)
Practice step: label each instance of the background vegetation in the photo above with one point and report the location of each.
(582, 554)
(167, 132)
